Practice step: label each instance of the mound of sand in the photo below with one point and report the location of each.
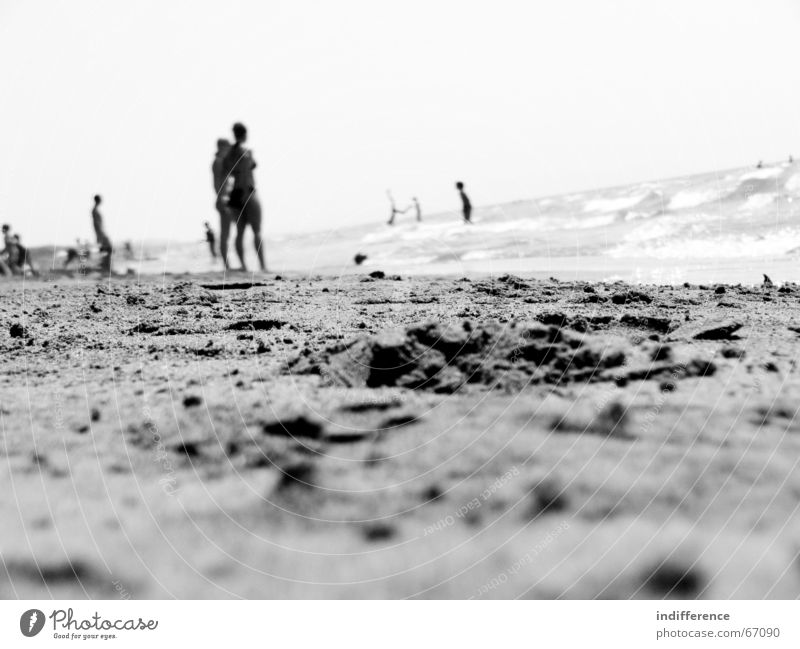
(442, 358)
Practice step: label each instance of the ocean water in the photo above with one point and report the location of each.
(730, 226)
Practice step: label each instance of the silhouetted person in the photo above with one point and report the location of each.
(9, 253)
(211, 239)
(243, 201)
(23, 256)
(128, 250)
(395, 211)
(417, 208)
(102, 238)
(466, 206)
(760, 164)
(222, 188)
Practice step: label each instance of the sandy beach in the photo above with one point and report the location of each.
(404, 437)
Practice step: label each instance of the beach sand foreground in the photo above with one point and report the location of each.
(195, 437)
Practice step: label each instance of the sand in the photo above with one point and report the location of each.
(202, 437)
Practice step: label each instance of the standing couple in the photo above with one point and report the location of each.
(237, 201)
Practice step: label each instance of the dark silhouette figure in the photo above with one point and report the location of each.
(243, 201)
(212, 241)
(417, 208)
(360, 258)
(15, 257)
(466, 206)
(23, 256)
(760, 164)
(222, 188)
(102, 238)
(9, 254)
(395, 211)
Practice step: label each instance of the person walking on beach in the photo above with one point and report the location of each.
(243, 201)
(211, 241)
(222, 188)
(395, 211)
(102, 238)
(466, 206)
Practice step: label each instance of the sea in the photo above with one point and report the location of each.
(731, 226)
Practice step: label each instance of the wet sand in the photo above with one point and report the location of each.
(396, 437)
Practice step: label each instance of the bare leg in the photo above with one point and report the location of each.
(259, 249)
(224, 231)
(254, 219)
(105, 260)
(241, 224)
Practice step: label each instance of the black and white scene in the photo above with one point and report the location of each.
(421, 300)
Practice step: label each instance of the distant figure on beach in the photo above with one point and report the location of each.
(102, 238)
(466, 206)
(14, 257)
(417, 208)
(760, 164)
(222, 189)
(211, 239)
(23, 256)
(394, 211)
(9, 253)
(791, 159)
(128, 248)
(243, 201)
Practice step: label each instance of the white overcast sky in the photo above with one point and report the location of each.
(345, 99)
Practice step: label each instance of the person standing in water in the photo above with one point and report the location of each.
(102, 238)
(211, 239)
(417, 208)
(243, 201)
(466, 206)
(395, 211)
(222, 188)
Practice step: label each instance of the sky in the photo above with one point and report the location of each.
(344, 100)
